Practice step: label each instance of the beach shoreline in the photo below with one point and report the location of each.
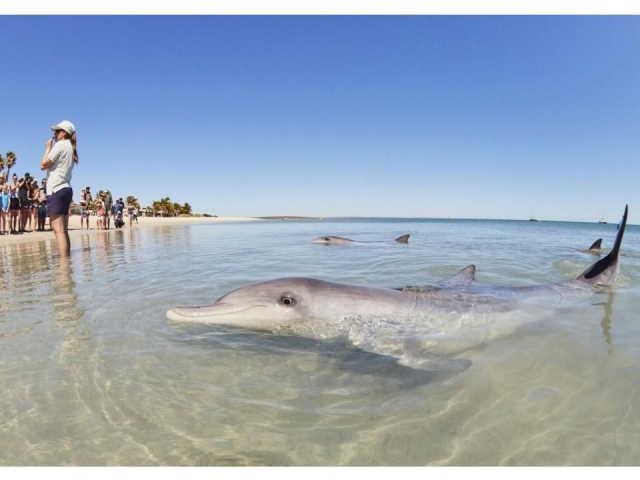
(143, 222)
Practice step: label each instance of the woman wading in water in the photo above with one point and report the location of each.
(59, 161)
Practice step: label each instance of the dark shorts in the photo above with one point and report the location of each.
(14, 204)
(58, 203)
(42, 211)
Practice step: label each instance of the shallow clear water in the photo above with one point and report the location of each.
(92, 373)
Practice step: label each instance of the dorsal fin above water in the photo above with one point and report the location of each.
(403, 238)
(597, 245)
(464, 277)
(604, 271)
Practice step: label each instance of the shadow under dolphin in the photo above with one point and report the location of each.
(334, 354)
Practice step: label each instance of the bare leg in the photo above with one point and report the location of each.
(22, 220)
(60, 225)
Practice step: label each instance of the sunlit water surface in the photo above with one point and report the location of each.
(92, 372)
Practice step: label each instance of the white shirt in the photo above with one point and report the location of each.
(59, 174)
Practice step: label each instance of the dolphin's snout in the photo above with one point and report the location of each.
(219, 312)
(178, 314)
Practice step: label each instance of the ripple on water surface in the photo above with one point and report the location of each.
(92, 373)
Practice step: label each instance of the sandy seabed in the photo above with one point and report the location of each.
(143, 222)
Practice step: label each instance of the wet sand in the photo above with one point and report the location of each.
(143, 222)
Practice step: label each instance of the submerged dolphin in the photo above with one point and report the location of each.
(292, 302)
(331, 240)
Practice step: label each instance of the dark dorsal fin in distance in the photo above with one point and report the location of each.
(403, 238)
(610, 260)
(596, 245)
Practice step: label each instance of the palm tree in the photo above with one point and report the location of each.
(2, 160)
(186, 209)
(167, 206)
(131, 200)
(177, 209)
(10, 162)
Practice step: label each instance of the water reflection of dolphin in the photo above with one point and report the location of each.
(279, 304)
(331, 240)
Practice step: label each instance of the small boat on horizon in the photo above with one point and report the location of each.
(534, 220)
(602, 219)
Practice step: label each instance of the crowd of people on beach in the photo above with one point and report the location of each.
(23, 203)
(26, 206)
(105, 210)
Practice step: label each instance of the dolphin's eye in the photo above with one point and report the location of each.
(287, 301)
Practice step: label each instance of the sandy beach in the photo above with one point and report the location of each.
(143, 222)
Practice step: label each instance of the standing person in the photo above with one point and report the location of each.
(34, 201)
(42, 206)
(130, 209)
(108, 208)
(85, 202)
(14, 204)
(119, 207)
(101, 213)
(118, 217)
(59, 161)
(4, 209)
(24, 185)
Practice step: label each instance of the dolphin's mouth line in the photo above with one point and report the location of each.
(194, 312)
(239, 311)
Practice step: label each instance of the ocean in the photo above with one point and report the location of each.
(92, 372)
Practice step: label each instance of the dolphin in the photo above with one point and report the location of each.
(331, 240)
(596, 247)
(313, 307)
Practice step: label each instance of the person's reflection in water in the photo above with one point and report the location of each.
(87, 261)
(66, 316)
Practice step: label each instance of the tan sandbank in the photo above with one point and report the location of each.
(143, 222)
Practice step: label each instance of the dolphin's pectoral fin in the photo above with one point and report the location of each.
(403, 238)
(464, 277)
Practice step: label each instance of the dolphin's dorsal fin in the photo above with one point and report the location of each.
(596, 245)
(464, 277)
(403, 238)
(604, 271)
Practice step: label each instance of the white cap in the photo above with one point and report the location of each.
(65, 125)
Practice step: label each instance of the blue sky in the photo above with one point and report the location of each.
(408, 116)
